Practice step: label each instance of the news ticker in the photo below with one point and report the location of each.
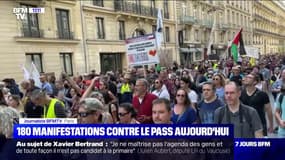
(22, 131)
(211, 148)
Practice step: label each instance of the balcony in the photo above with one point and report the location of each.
(65, 35)
(134, 8)
(207, 23)
(224, 26)
(188, 20)
(32, 33)
(37, 36)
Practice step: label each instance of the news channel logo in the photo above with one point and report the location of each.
(21, 13)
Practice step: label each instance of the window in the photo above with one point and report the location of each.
(111, 62)
(153, 27)
(122, 34)
(165, 9)
(234, 21)
(37, 59)
(241, 20)
(100, 28)
(30, 25)
(63, 29)
(66, 63)
(228, 15)
(152, 6)
(196, 35)
(222, 37)
(167, 34)
(138, 6)
(237, 17)
(98, 3)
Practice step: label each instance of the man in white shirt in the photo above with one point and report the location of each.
(160, 90)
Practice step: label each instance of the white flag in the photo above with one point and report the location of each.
(25, 72)
(35, 75)
(159, 29)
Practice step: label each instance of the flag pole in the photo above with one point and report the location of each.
(159, 32)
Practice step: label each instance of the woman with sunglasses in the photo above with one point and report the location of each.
(183, 112)
(127, 114)
(219, 83)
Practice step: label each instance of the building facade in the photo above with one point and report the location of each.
(51, 40)
(220, 20)
(78, 36)
(109, 23)
(268, 27)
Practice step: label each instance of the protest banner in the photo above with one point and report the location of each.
(142, 50)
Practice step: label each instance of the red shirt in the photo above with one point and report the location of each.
(145, 107)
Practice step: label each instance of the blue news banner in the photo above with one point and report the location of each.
(134, 142)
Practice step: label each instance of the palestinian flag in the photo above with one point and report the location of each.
(234, 47)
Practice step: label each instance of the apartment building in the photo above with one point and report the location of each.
(269, 27)
(52, 40)
(221, 20)
(78, 36)
(109, 23)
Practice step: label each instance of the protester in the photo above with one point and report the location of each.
(161, 111)
(276, 86)
(126, 89)
(53, 108)
(127, 114)
(209, 104)
(160, 90)
(192, 95)
(183, 111)
(257, 99)
(280, 114)
(3, 102)
(92, 111)
(236, 75)
(219, 83)
(46, 85)
(245, 119)
(142, 102)
(15, 102)
(8, 116)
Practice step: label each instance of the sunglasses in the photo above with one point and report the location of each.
(85, 114)
(180, 95)
(216, 79)
(123, 114)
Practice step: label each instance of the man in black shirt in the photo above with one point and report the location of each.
(257, 99)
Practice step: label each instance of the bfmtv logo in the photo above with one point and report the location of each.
(21, 13)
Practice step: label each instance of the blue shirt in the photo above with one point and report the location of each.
(187, 117)
(220, 92)
(207, 110)
(277, 84)
(48, 88)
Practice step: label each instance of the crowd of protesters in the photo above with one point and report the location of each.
(205, 92)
